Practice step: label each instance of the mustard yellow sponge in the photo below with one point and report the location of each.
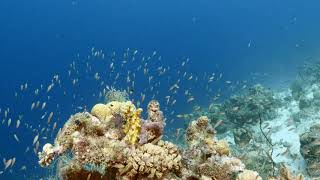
(132, 126)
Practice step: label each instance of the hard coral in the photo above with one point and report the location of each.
(248, 175)
(206, 156)
(100, 111)
(199, 131)
(152, 128)
(222, 148)
(131, 117)
(152, 161)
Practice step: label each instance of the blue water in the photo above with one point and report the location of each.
(40, 38)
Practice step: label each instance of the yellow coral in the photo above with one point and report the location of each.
(222, 148)
(104, 112)
(132, 126)
(100, 111)
(114, 107)
(127, 110)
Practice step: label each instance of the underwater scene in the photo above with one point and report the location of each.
(168, 90)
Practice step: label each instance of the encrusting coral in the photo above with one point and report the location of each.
(205, 156)
(114, 142)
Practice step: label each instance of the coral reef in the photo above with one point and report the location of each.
(247, 108)
(103, 145)
(310, 150)
(285, 174)
(205, 156)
